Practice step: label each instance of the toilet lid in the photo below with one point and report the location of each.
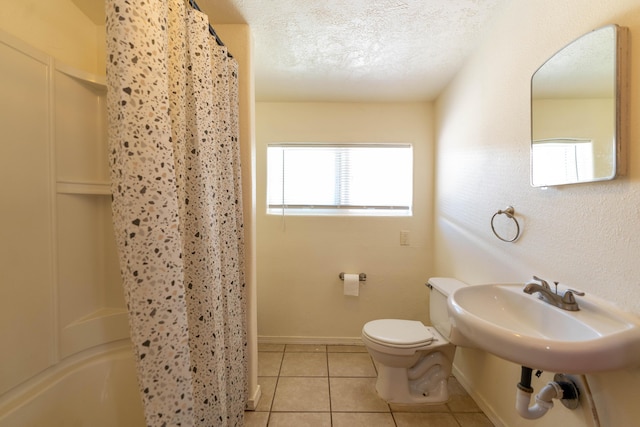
(396, 332)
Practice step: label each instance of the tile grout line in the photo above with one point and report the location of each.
(326, 351)
(273, 398)
(329, 385)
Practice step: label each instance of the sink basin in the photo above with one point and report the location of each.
(503, 320)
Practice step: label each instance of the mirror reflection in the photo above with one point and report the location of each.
(575, 112)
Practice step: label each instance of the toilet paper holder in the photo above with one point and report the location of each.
(361, 276)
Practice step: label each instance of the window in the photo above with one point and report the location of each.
(561, 161)
(340, 179)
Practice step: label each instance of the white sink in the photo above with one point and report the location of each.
(505, 321)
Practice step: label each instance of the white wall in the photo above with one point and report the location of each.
(585, 236)
(299, 292)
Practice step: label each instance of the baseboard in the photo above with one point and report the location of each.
(482, 403)
(310, 340)
(252, 402)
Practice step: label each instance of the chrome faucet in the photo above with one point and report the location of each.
(565, 301)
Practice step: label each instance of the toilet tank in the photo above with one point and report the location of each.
(439, 289)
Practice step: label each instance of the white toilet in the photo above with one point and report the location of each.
(413, 360)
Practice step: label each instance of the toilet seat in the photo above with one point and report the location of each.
(397, 333)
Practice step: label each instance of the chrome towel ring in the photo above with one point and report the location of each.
(509, 212)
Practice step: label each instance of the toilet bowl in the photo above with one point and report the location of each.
(413, 360)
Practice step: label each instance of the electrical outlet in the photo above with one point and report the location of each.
(404, 238)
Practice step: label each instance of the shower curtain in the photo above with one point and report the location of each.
(175, 171)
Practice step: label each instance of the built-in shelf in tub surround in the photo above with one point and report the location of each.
(90, 297)
(80, 126)
(86, 188)
(60, 274)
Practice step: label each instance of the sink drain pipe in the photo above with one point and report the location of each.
(561, 388)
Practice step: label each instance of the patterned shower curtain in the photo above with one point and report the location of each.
(175, 171)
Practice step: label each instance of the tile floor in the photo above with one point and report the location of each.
(334, 386)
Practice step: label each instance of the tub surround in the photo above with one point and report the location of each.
(58, 211)
(61, 276)
(96, 387)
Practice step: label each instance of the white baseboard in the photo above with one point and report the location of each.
(252, 402)
(482, 403)
(310, 340)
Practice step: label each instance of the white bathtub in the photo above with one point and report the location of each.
(95, 389)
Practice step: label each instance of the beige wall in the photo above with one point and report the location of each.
(58, 28)
(299, 292)
(583, 235)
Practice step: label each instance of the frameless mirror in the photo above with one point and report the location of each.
(576, 111)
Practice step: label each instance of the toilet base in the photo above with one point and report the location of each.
(424, 383)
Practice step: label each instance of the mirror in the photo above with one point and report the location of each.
(576, 111)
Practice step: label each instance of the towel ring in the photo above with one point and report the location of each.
(509, 212)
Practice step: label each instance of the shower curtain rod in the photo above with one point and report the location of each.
(211, 30)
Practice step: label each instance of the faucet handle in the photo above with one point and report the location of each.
(543, 282)
(568, 297)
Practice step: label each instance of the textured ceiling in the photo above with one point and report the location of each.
(354, 50)
(357, 50)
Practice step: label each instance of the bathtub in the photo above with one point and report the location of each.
(97, 388)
